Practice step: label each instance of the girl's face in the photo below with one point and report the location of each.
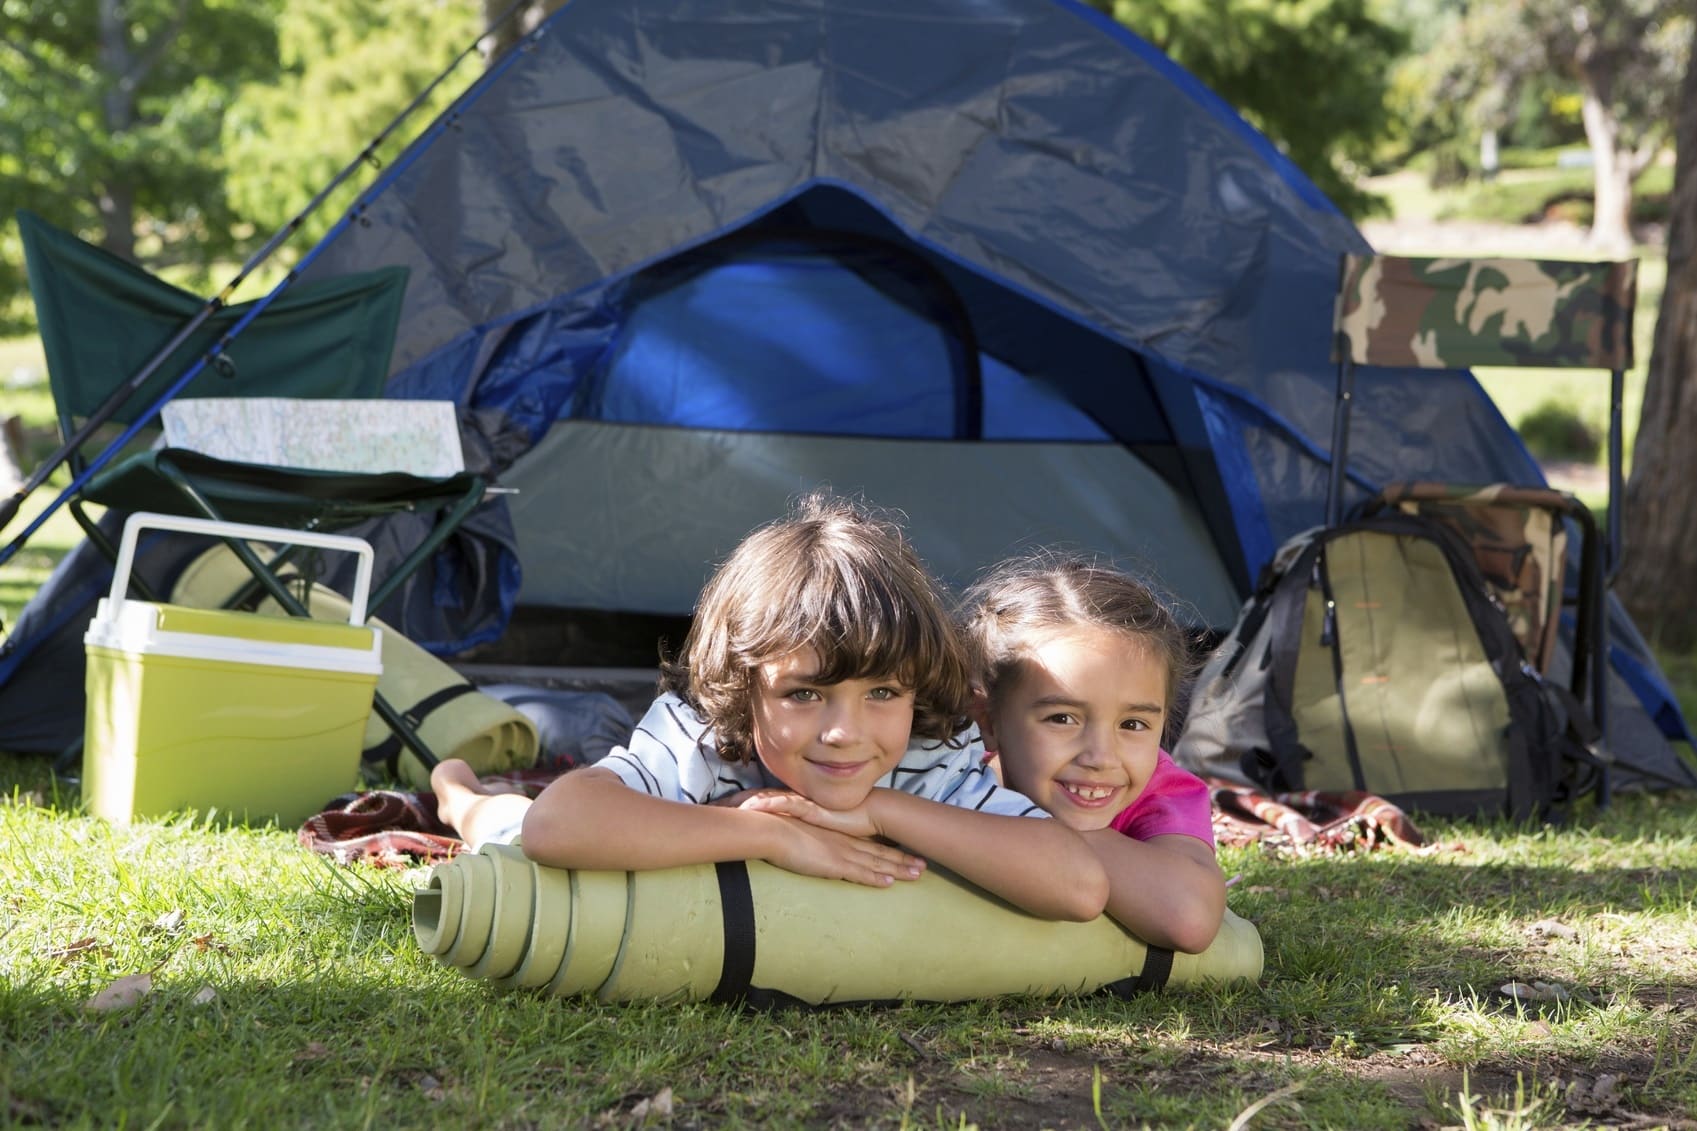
(1078, 724)
(830, 742)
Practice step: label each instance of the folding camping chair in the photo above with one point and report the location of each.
(101, 318)
(1454, 313)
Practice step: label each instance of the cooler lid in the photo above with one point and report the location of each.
(261, 626)
(146, 628)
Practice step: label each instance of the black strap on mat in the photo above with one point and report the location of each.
(1157, 968)
(388, 751)
(736, 903)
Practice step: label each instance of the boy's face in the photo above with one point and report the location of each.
(830, 742)
(1078, 726)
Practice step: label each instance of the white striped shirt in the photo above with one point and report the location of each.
(672, 755)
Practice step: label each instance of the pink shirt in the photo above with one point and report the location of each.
(1175, 801)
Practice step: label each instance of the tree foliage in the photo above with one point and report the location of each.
(110, 115)
(349, 68)
(1310, 74)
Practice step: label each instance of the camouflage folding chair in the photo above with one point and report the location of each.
(1458, 313)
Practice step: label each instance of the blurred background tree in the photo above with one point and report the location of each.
(1606, 72)
(187, 130)
(1312, 76)
(109, 122)
(347, 68)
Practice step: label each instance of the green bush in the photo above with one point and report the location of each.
(1556, 432)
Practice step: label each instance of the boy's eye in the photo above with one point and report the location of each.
(885, 694)
(802, 695)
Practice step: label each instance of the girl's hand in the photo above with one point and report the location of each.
(814, 851)
(851, 822)
(735, 800)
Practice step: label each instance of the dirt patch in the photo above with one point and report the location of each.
(1043, 1086)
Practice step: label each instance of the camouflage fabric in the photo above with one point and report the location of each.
(1454, 313)
(1519, 541)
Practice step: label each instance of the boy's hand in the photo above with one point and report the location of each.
(851, 822)
(815, 851)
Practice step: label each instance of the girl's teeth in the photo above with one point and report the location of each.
(1090, 792)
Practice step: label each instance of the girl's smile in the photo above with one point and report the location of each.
(1078, 726)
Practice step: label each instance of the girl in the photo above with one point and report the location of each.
(808, 723)
(1075, 665)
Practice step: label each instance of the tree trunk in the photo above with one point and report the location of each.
(1612, 175)
(116, 200)
(1656, 580)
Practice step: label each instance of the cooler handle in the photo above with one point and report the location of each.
(357, 546)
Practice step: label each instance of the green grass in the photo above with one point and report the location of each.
(289, 992)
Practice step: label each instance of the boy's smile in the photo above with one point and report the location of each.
(1078, 727)
(830, 742)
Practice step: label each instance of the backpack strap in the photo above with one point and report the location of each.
(1280, 767)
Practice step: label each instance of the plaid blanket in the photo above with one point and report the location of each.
(1310, 823)
(394, 828)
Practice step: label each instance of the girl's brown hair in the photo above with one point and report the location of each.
(836, 576)
(1026, 597)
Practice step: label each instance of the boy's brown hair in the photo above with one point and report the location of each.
(837, 576)
(1032, 595)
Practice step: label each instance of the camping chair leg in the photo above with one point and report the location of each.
(1590, 678)
(403, 729)
(92, 531)
(446, 524)
(1612, 548)
(68, 757)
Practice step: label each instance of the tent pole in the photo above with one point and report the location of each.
(1340, 432)
(121, 395)
(1613, 551)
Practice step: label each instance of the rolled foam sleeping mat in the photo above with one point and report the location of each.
(754, 932)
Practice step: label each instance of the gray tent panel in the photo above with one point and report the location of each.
(634, 517)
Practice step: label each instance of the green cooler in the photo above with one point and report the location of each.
(253, 718)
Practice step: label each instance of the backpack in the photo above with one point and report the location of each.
(1374, 656)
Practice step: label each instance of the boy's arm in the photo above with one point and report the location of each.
(590, 818)
(1167, 890)
(1036, 864)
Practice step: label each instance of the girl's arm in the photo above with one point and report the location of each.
(590, 818)
(1038, 865)
(1167, 890)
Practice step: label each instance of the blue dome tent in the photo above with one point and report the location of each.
(999, 264)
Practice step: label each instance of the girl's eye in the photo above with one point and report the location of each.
(1135, 724)
(1061, 718)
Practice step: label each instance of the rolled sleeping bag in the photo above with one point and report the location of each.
(749, 931)
(452, 717)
